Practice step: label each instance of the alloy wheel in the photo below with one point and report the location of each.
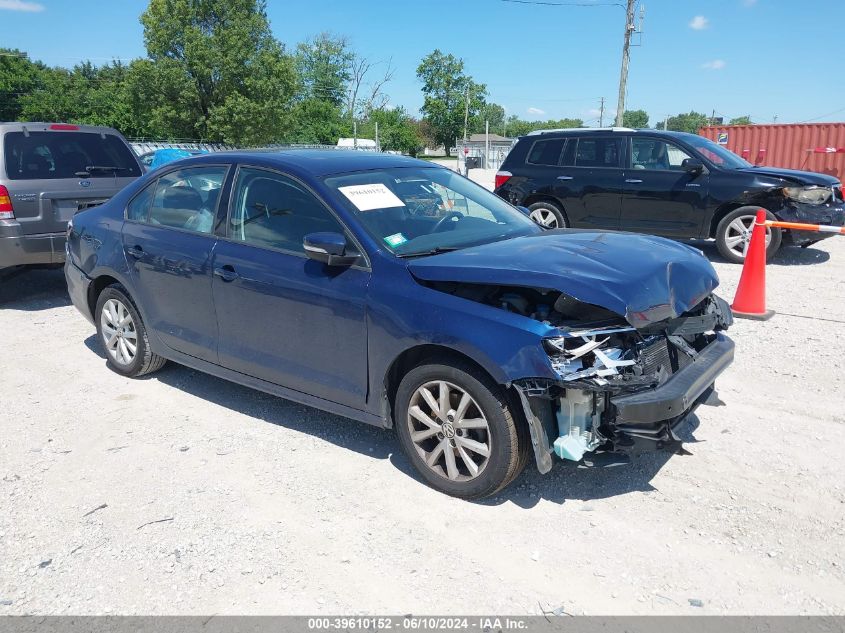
(738, 234)
(544, 217)
(120, 337)
(449, 430)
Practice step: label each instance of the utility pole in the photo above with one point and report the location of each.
(378, 147)
(626, 57)
(486, 143)
(601, 113)
(355, 134)
(466, 116)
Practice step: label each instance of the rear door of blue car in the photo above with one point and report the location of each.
(168, 240)
(283, 317)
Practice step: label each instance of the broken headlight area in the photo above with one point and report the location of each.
(623, 389)
(624, 358)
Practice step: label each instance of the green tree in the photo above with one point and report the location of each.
(85, 94)
(690, 122)
(447, 89)
(519, 127)
(317, 121)
(397, 131)
(238, 80)
(324, 66)
(492, 113)
(18, 77)
(741, 120)
(636, 119)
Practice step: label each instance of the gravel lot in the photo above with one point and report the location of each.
(185, 494)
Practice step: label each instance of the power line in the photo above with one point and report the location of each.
(566, 4)
(823, 116)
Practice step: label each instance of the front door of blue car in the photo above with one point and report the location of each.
(283, 317)
(168, 241)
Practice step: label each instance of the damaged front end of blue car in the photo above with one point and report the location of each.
(631, 330)
(623, 389)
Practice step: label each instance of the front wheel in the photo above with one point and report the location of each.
(456, 427)
(733, 234)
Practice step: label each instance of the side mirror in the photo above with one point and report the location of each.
(525, 210)
(692, 166)
(328, 248)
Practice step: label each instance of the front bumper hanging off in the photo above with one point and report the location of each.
(640, 421)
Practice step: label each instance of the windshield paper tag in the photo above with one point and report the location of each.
(369, 197)
(397, 239)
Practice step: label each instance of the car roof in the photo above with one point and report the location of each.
(592, 131)
(313, 162)
(40, 126)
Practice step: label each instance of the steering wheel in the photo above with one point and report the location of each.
(442, 221)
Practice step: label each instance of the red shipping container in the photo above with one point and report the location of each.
(788, 145)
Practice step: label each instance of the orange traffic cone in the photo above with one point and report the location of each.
(750, 299)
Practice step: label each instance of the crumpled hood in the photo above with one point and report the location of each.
(643, 278)
(799, 177)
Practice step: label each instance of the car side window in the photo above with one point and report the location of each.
(599, 152)
(187, 198)
(654, 154)
(139, 208)
(546, 152)
(274, 211)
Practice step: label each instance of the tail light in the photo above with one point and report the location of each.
(63, 126)
(502, 177)
(6, 210)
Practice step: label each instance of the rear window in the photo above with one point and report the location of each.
(47, 155)
(546, 152)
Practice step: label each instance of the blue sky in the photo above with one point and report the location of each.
(757, 57)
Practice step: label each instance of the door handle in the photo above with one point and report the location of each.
(564, 177)
(136, 251)
(226, 273)
(633, 180)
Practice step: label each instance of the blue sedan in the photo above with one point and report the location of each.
(401, 294)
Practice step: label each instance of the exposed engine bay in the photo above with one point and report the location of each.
(620, 389)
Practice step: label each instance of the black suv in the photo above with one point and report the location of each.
(666, 183)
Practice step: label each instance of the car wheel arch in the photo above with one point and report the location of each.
(97, 286)
(535, 198)
(424, 354)
(107, 278)
(720, 213)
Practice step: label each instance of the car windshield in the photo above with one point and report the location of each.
(716, 154)
(423, 211)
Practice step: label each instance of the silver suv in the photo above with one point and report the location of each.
(49, 172)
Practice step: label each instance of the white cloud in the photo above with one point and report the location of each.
(749, 3)
(716, 64)
(699, 23)
(20, 5)
(535, 111)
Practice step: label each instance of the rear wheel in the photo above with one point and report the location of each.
(123, 335)
(548, 215)
(456, 427)
(733, 234)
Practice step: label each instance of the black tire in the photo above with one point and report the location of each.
(507, 439)
(546, 208)
(724, 228)
(144, 360)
